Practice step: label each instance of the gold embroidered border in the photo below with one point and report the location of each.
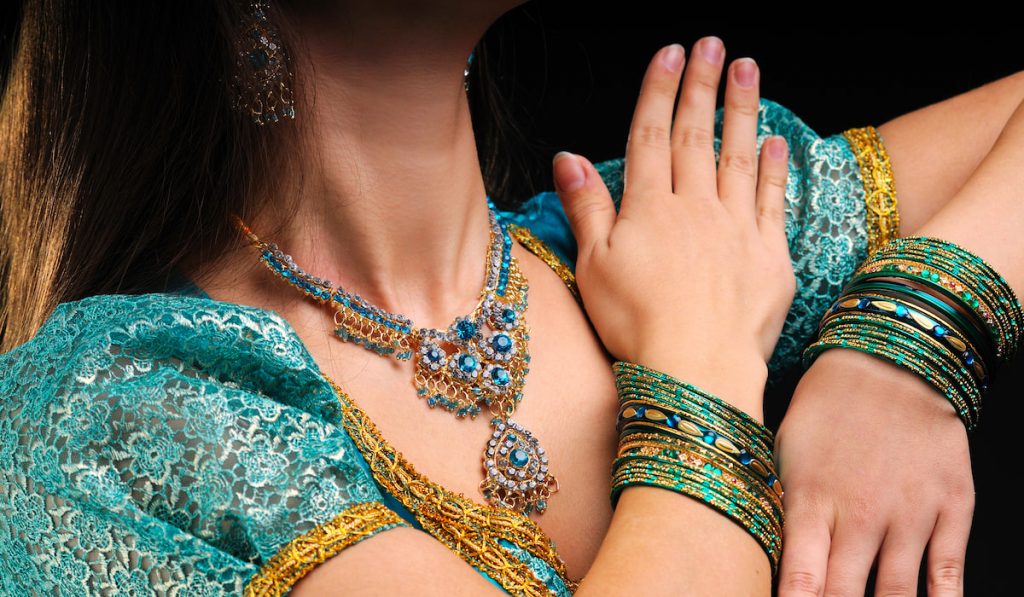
(299, 556)
(534, 244)
(883, 216)
(469, 529)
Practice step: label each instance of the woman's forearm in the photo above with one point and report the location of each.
(664, 543)
(985, 215)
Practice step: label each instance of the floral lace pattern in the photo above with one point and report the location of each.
(825, 219)
(165, 445)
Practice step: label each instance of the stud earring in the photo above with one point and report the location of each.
(465, 73)
(262, 81)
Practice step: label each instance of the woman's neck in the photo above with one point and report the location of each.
(395, 208)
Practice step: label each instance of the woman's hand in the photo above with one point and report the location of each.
(875, 462)
(692, 276)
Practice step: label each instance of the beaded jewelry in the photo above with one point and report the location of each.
(931, 307)
(675, 436)
(481, 358)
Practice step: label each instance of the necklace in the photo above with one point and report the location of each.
(480, 358)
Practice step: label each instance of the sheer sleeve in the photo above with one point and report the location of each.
(840, 200)
(160, 445)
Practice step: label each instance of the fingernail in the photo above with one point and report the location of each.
(777, 148)
(711, 49)
(744, 72)
(673, 57)
(571, 175)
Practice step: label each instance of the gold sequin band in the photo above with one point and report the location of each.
(302, 554)
(468, 529)
(883, 216)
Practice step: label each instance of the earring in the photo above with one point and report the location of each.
(262, 82)
(465, 73)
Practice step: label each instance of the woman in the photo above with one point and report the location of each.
(133, 473)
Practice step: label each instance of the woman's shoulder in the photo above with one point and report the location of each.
(191, 429)
(120, 339)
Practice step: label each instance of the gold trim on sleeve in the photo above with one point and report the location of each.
(470, 529)
(883, 216)
(302, 554)
(535, 245)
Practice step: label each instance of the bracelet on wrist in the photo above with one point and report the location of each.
(678, 437)
(933, 308)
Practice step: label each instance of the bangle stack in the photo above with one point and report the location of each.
(933, 308)
(678, 437)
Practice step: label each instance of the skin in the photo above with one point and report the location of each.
(410, 159)
(422, 263)
(863, 477)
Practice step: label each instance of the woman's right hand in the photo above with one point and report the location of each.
(692, 276)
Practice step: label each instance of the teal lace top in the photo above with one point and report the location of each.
(171, 444)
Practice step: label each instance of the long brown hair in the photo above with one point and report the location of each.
(121, 158)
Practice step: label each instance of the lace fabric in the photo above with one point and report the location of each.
(171, 444)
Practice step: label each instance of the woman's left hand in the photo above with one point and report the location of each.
(874, 462)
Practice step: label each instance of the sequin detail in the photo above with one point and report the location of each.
(534, 244)
(883, 216)
(471, 530)
(299, 557)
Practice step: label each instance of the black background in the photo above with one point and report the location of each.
(578, 70)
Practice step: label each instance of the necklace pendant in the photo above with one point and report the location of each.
(516, 469)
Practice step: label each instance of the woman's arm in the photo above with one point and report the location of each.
(933, 150)
(633, 271)
(902, 437)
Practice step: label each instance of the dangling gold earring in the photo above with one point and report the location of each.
(262, 81)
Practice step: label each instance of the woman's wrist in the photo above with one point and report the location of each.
(734, 374)
(678, 436)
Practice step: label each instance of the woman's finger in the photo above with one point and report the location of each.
(693, 133)
(948, 549)
(585, 199)
(770, 204)
(854, 547)
(737, 161)
(899, 560)
(805, 545)
(648, 168)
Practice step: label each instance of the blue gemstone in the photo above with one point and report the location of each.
(745, 458)
(673, 420)
(969, 358)
(467, 363)
(500, 376)
(901, 311)
(709, 437)
(466, 329)
(863, 303)
(640, 410)
(940, 331)
(502, 343)
(508, 315)
(519, 457)
(511, 437)
(434, 355)
(258, 58)
(771, 479)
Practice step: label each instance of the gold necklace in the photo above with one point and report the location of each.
(481, 357)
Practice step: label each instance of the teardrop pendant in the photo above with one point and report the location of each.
(516, 469)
